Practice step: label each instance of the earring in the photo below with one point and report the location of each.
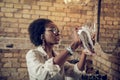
(43, 41)
(43, 44)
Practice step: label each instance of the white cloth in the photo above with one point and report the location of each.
(42, 68)
(86, 39)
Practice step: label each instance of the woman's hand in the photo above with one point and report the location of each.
(76, 40)
(75, 35)
(87, 52)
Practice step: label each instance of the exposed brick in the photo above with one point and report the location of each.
(89, 13)
(60, 9)
(23, 26)
(81, 20)
(23, 64)
(109, 22)
(73, 15)
(67, 28)
(99, 59)
(26, 7)
(2, 4)
(94, 62)
(43, 8)
(4, 59)
(59, 5)
(16, 55)
(8, 9)
(8, 20)
(115, 66)
(17, 15)
(61, 23)
(44, 3)
(9, 5)
(19, 6)
(24, 31)
(51, 8)
(25, 11)
(108, 63)
(98, 64)
(35, 7)
(8, 55)
(74, 20)
(105, 56)
(31, 11)
(5, 73)
(12, 1)
(35, 16)
(16, 65)
(7, 64)
(9, 70)
(22, 60)
(11, 30)
(45, 13)
(66, 19)
(24, 21)
(103, 22)
(15, 74)
(115, 22)
(8, 14)
(23, 55)
(23, 76)
(105, 68)
(1, 14)
(26, 16)
(22, 70)
(107, 18)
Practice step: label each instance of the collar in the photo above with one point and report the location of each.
(40, 48)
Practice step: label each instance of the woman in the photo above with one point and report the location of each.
(45, 64)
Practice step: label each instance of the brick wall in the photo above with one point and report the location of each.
(13, 65)
(15, 16)
(108, 49)
(110, 25)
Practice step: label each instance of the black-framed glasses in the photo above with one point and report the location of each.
(53, 30)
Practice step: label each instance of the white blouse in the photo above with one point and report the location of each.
(42, 68)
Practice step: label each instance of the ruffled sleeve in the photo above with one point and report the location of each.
(40, 69)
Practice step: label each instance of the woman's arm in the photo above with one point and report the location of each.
(81, 63)
(61, 58)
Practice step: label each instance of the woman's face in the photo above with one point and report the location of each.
(51, 34)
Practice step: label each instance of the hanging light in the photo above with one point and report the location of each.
(81, 2)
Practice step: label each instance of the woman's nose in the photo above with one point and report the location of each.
(57, 33)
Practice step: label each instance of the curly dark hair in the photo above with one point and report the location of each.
(36, 29)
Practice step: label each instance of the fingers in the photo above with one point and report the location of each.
(88, 52)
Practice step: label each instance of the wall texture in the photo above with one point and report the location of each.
(108, 49)
(15, 16)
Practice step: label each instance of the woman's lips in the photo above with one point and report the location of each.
(57, 38)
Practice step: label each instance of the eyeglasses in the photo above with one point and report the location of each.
(53, 30)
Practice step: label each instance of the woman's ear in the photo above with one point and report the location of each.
(43, 40)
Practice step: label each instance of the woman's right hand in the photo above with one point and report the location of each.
(88, 52)
(76, 40)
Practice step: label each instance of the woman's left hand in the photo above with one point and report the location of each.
(87, 52)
